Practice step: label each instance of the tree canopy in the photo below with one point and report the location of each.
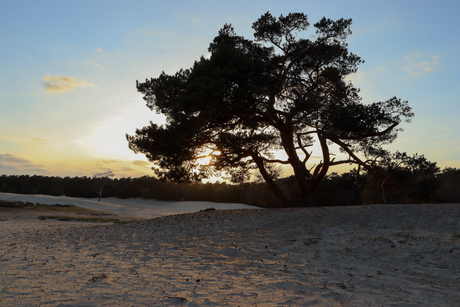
(252, 98)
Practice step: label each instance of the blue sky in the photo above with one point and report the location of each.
(68, 71)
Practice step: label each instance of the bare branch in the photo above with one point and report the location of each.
(299, 141)
(276, 161)
(358, 161)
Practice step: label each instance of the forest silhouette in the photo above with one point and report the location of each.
(405, 186)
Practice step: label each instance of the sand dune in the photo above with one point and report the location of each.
(380, 255)
(137, 208)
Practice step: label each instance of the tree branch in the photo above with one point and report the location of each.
(276, 161)
(378, 133)
(299, 141)
(345, 147)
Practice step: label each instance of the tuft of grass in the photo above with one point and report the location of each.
(412, 235)
(66, 209)
(7, 205)
(11, 204)
(98, 277)
(376, 238)
(83, 219)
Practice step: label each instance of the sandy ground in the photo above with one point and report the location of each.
(380, 255)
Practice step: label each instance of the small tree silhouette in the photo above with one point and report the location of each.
(102, 179)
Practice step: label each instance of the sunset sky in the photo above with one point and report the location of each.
(68, 71)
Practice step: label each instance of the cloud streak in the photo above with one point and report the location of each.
(40, 141)
(94, 64)
(12, 165)
(142, 163)
(418, 64)
(63, 84)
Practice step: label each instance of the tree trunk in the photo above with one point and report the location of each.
(300, 171)
(271, 184)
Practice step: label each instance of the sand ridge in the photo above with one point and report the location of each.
(380, 255)
(131, 208)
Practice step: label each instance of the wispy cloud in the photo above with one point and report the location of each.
(357, 77)
(12, 165)
(122, 168)
(8, 158)
(418, 64)
(142, 163)
(40, 141)
(63, 84)
(94, 64)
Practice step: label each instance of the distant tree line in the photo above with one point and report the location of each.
(421, 182)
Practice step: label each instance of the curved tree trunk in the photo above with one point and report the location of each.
(271, 184)
(302, 175)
